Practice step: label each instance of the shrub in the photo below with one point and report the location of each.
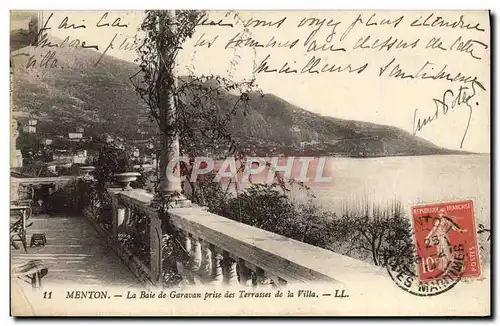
(35, 170)
(269, 207)
(109, 161)
(135, 236)
(376, 233)
(381, 233)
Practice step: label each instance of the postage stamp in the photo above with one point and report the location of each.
(445, 238)
(446, 249)
(264, 163)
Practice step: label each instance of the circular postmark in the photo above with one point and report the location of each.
(405, 277)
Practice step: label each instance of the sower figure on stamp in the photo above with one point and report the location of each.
(438, 236)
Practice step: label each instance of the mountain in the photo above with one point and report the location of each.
(20, 38)
(74, 92)
(23, 28)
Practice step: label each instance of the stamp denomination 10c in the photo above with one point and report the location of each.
(445, 239)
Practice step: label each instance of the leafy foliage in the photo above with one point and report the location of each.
(382, 233)
(193, 111)
(135, 236)
(190, 112)
(36, 169)
(33, 149)
(73, 170)
(109, 161)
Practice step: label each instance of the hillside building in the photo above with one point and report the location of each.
(75, 136)
(16, 155)
(63, 157)
(29, 129)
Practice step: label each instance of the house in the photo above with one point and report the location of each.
(52, 167)
(64, 157)
(135, 152)
(109, 139)
(80, 157)
(29, 129)
(91, 155)
(75, 136)
(47, 141)
(308, 143)
(148, 159)
(32, 122)
(55, 165)
(17, 158)
(147, 167)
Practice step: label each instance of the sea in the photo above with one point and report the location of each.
(410, 180)
(407, 180)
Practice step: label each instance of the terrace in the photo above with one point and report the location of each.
(217, 250)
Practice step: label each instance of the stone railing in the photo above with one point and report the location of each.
(17, 185)
(221, 250)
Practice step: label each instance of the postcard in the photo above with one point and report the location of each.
(250, 163)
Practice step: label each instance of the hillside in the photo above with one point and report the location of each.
(102, 99)
(20, 38)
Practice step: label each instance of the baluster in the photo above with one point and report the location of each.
(218, 277)
(181, 260)
(244, 273)
(187, 244)
(118, 214)
(276, 281)
(155, 245)
(195, 260)
(253, 279)
(206, 261)
(230, 270)
(262, 280)
(187, 241)
(126, 217)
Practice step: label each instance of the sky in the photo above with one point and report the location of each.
(365, 96)
(20, 19)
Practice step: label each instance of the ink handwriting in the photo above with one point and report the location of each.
(313, 66)
(64, 24)
(426, 72)
(115, 23)
(437, 21)
(450, 100)
(469, 46)
(204, 21)
(43, 40)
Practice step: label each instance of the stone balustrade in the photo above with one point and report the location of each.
(219, 250)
